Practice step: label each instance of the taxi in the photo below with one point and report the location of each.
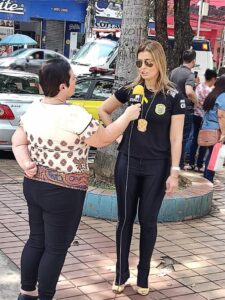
(91, 90)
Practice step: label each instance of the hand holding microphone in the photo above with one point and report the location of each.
(133, 111)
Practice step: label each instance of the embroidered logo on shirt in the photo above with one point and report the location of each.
(160, 109)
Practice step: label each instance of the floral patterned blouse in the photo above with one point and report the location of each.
(56, 136)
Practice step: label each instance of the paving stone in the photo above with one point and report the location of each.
(215, 294)
(197, 245)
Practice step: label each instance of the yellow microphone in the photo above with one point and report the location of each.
(138, 90)
(137, 94)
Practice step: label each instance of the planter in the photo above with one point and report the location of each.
(192, 202)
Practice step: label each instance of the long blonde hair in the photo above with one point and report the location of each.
(156, 50)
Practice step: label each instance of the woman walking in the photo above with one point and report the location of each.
(214, 118)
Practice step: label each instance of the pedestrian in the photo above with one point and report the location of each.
(202, 91)
(51, 145)
(185, 81)
(221, 71)
(148, 161)
(214, 118)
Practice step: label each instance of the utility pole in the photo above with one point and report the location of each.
(199, 16)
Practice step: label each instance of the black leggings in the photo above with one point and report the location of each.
(54, 216)
(143, 191)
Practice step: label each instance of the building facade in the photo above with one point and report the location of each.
(56, 25)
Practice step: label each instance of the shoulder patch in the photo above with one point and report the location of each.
(172, 92)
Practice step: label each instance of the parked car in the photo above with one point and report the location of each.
(19, 89)
(91, 91)
(100, 52)
(29, 60)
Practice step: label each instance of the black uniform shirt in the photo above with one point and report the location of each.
(154, 143)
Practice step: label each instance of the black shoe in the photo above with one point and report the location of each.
(27, 297)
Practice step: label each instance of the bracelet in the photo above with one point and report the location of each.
(174, 168)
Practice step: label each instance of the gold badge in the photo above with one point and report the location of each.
(160, 109)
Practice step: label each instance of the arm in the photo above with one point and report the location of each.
(106, 109)
(191, 94)
(176, 136)
(21, 153)
(221, 120)
(105, 136)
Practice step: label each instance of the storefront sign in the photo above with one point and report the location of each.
(11, 7)
(74, 27)
(106, 25)
(109, 9)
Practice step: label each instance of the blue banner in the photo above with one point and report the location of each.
(59, 10)
(23, 10)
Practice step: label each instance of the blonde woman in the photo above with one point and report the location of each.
(148, 161)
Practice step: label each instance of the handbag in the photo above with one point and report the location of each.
(217, 157)
(208, 137)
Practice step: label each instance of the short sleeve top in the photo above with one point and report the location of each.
(154, 143)
(202, 91)
(56, 135)
(210, 120)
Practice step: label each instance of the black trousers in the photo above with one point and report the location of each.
(54, 215)
(140, 186)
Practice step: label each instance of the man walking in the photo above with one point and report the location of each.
(184, 79)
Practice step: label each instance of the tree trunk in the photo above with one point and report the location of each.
(182, 29)
(161, 29)
(133, 32)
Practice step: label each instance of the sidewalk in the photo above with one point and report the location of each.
(194, 267)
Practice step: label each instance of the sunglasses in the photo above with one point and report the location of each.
(147, 62)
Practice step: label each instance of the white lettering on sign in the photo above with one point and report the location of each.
(59, 9)
(10, 7)
(74, 27)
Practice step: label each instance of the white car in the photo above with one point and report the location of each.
(99, 52)
(17, 91)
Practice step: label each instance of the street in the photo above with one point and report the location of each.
(188, 261)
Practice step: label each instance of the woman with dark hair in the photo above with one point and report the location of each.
(148, 161)
(51, 146)
(202, 91)
(214, 118)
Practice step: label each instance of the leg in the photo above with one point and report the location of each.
(201, 156)
(194, 145)
(127, 198)
(153, 191)
(186, 134)
(207, 173)
(34, 247)
(62, 209)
